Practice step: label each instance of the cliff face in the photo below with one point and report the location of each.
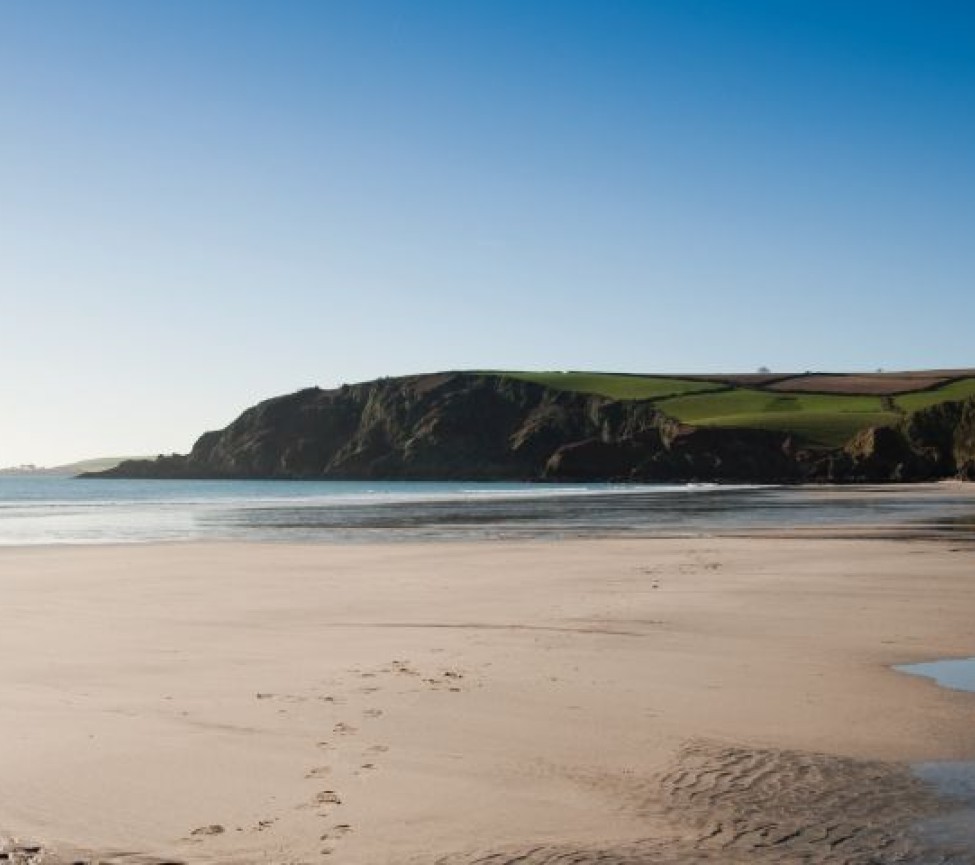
(933, 443)
(437, 427)
(481, 427)
(465, 426)
(424, 427)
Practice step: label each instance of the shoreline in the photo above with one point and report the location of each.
(413, 701)
(881, 533)
(39, 514)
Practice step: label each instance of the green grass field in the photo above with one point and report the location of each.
(824, 420)
(955, 391)
(824, 429)
(815, 418)
(615, 386)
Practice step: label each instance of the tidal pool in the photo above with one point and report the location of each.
(954, 780)
(958, 674)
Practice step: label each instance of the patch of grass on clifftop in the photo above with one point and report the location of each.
(616, 386)
(956, 390)
(818, 419)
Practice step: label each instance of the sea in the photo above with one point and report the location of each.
(42, 510)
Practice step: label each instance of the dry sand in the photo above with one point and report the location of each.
(725, 700)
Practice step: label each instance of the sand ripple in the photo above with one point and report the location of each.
(738, 805)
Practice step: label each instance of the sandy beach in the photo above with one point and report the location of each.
(668, 700)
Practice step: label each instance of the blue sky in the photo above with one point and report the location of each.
(205, 204)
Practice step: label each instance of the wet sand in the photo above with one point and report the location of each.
(612, 701)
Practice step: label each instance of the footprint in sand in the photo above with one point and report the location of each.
(21, 854)
(204, 831)
(338, 831)
(372, 713)
(327, 797)
(326, 800)
(449, 680)
(318, 772)
(343, 729)
(401, 667)
(282, 698)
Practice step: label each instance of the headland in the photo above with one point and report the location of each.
(801, 428)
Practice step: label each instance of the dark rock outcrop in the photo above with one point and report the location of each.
(492, 427)
(932, 443)
(452, 425)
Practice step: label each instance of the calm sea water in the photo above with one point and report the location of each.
(44, 510)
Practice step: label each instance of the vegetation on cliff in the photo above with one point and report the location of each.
(821, 410)
(594, 426)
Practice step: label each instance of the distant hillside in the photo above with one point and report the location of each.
(599, 426)
(820, 409)
(99, 464)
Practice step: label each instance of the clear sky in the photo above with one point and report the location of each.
(203, 204)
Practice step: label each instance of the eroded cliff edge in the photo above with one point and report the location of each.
(469, 426)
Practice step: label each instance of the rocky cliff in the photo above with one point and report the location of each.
(480, 427)
(936, 442)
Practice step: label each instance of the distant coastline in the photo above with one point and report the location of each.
(97, 464)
